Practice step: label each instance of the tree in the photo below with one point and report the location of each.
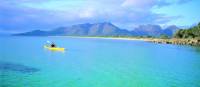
(193, 32)
(163, 36)
(178, 34)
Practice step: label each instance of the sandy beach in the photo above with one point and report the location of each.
(192, 42)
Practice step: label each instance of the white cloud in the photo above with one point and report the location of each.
(139, 3)
(87, 13)
(62, 12)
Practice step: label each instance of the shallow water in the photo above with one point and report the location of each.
(97, 63)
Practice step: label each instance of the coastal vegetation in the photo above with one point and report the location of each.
(191, 33)
(163, 36)
(189, 36)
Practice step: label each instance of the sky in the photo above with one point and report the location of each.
(26, 15)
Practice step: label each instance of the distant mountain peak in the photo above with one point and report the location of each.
(105, 23)
(170, 30)
(172, 27)
(103, 29)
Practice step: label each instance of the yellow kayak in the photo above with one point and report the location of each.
(54, 48)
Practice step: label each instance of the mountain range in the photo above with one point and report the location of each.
(103, 29)
(154, 30)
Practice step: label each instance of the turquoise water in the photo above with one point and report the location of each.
(97, 63)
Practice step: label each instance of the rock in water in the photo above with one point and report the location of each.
(7, 66)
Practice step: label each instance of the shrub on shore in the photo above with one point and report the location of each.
(163, 36)
(190, 33)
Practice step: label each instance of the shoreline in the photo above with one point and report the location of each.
(191, 42)
(175, 41)
(113, 38)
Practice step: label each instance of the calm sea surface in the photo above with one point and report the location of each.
(96, 63)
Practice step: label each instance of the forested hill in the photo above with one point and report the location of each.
(193, 32)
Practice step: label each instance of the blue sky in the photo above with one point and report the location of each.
(26, 15)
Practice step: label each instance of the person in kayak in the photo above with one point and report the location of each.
(53, 45)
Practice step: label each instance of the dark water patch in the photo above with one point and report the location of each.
(7, 66)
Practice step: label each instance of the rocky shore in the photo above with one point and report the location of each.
(192, 42)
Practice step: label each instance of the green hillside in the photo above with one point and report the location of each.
(193, 32)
